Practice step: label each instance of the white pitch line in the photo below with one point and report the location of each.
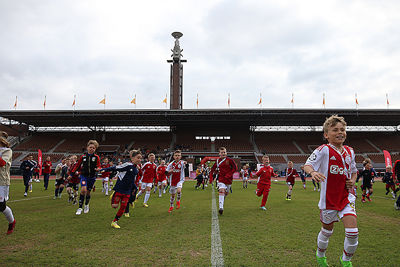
(217, 258)
(25, 199)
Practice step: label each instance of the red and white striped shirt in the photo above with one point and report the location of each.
(337, 167)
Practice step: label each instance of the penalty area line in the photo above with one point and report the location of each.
(217, 258)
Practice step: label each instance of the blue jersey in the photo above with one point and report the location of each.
(126, 177)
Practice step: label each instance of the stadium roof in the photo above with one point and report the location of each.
(201, 117)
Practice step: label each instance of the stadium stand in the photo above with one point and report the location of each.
(45, 142)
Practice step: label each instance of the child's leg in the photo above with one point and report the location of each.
(171, 202)
(323, 239)
(265, 196)
(351, 239)
(221, 197)
(147, 195)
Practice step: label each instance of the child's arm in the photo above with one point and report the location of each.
(350, 182)
(316, 176)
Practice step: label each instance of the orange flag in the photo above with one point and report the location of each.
(197, 101)
(387, 100)
(292, 101)
(229, 100)
(103, 101)
(165, 100)
(73, 103)
(16, 101)
(356, 99)
(323, 100)
(134, 100)
(260, 102)
(44, 103)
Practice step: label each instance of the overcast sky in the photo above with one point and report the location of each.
(119, 48)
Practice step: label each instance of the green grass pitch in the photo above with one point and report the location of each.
(48, 233)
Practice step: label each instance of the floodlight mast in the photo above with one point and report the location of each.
(176, 75)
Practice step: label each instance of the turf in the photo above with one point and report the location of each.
(48, 233)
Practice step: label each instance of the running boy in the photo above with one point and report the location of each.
(161, 177)
(88, 163)
(149, 175)
(264, 181)
(291, 174)
(124, 185)
(224, 167)
(73, 180)
(367, 176)
(333, 165)
(244, 173)
(176, 171)
(388, 180)
(27, 167)
(5, 165)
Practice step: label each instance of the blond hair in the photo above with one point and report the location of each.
(4, 134)
(177, 152)
(4, 142)
(93, 142)
(332, 121)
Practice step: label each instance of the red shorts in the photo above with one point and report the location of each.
(118, 197)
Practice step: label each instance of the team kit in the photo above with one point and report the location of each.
(331, 167)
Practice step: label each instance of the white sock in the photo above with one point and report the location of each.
(350, 243)
(322, 241)
(159, 191)
(146, 197)
(106, 187)
(221, 200)
(9, 215)
(30, 187)
(289, 192)
(139, 194)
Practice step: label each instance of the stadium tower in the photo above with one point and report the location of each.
(176, 77)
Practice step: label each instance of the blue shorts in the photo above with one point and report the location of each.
(88, 182)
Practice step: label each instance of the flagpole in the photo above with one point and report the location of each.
(356, 101)
(292, 100)
(323, 100)
(197, 101)
(16, 101)
(74, 102)
(387, 100)
(166, 105)
(44, 104)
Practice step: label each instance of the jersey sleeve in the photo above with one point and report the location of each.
(258, 174)
(169, 167)
(78, 165)
(353, 168)
(316, 158)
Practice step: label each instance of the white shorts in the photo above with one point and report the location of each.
(227, 187)
(105, 179)
(4, 190)
(331, 216)
(30, 180)
(173, 189)
(162, 183)
(144, 185)
(245, 179)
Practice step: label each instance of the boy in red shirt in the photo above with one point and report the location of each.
(176, 170)
(149, 174)
(46, 172)
(291, 174)
(334, 165)
(224, 168)
(161, 178)
(264, 181)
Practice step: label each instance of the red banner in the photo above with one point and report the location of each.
(388, 158)
(40, 161)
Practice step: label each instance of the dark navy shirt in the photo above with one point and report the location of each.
(126, 177)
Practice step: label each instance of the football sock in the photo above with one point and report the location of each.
(322, 241)
(26, 188)
(178, 196)
(159, 191)
(106, 187)
(350, 243)
(81, 199)
(172, 201)
(116, 218)
(9, 215)
(56, 192)
(61, 189)
(30, 187)
(139, 194)
(127, 209)
(221, 200)
(146, 197)
(87, 199)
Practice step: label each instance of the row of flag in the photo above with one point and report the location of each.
(133, 101)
